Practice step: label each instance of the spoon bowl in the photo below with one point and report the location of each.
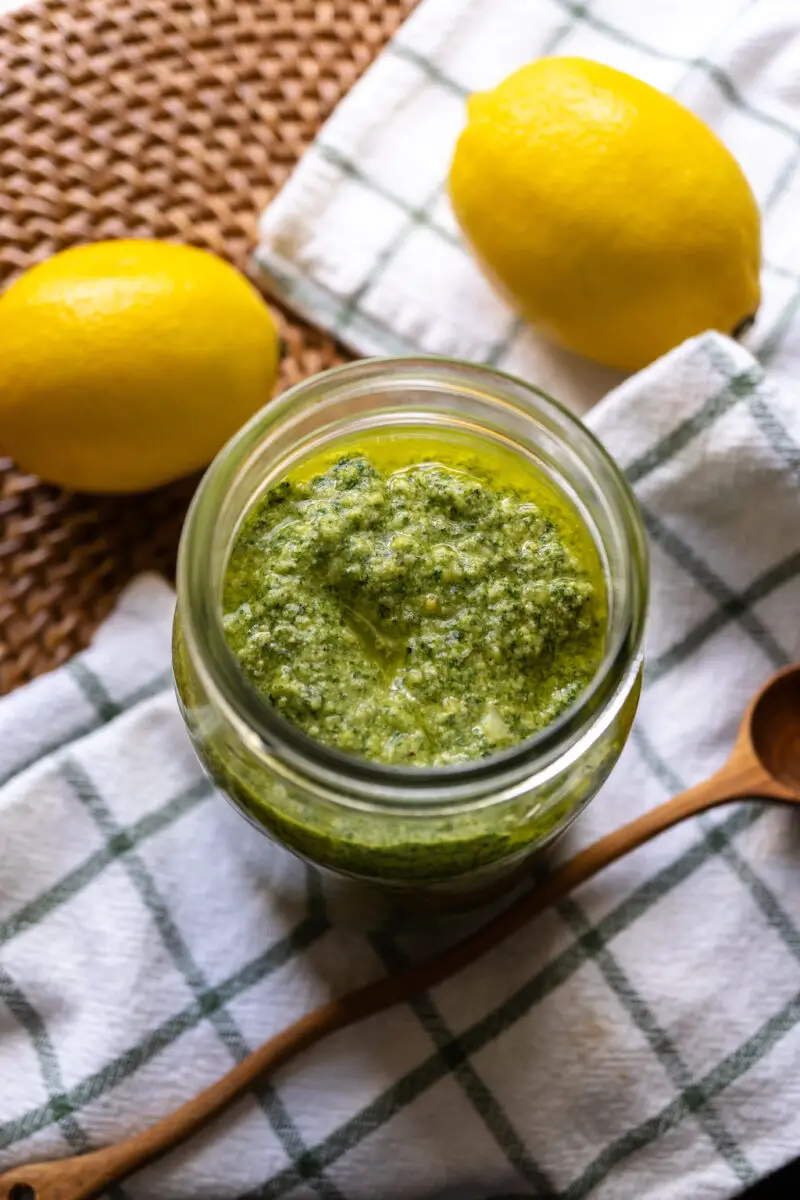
(774, 727)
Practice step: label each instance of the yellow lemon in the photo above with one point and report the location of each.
(615, 220)
(127, 364)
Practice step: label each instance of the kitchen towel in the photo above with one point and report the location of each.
(642, 1039)
(362, 241)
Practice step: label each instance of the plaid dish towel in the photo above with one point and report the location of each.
(362, 240)
(642, 1039)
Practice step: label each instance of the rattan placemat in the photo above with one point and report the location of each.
(172, 119)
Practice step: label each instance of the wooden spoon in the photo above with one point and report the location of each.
(765, 763)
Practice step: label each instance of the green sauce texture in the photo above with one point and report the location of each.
(427, 614)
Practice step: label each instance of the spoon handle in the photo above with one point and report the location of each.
(83, 1177)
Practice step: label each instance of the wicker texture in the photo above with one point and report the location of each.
(176, 119)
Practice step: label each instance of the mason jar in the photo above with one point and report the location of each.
(452, 832)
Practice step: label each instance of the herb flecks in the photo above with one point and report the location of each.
(426, 616)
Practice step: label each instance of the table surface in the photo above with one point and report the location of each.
(155, 125)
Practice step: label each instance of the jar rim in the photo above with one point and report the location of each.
(258, 721)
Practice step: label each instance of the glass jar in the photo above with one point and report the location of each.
(442, 831)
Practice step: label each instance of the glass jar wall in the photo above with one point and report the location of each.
(438, 830)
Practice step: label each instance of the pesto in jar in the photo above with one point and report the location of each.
(423, 612)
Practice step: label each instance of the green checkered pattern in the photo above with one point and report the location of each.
(646, 1029)
(362, 240)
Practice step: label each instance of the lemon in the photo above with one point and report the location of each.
(127, 364)
(615, 220)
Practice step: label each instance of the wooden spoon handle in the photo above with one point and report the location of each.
(85, 1176)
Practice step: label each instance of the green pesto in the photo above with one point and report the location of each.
(420, 616)
(467, 850)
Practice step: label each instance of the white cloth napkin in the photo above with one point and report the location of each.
(640, 1040)
(362, 240)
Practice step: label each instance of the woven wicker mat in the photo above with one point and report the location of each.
(171, 119)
